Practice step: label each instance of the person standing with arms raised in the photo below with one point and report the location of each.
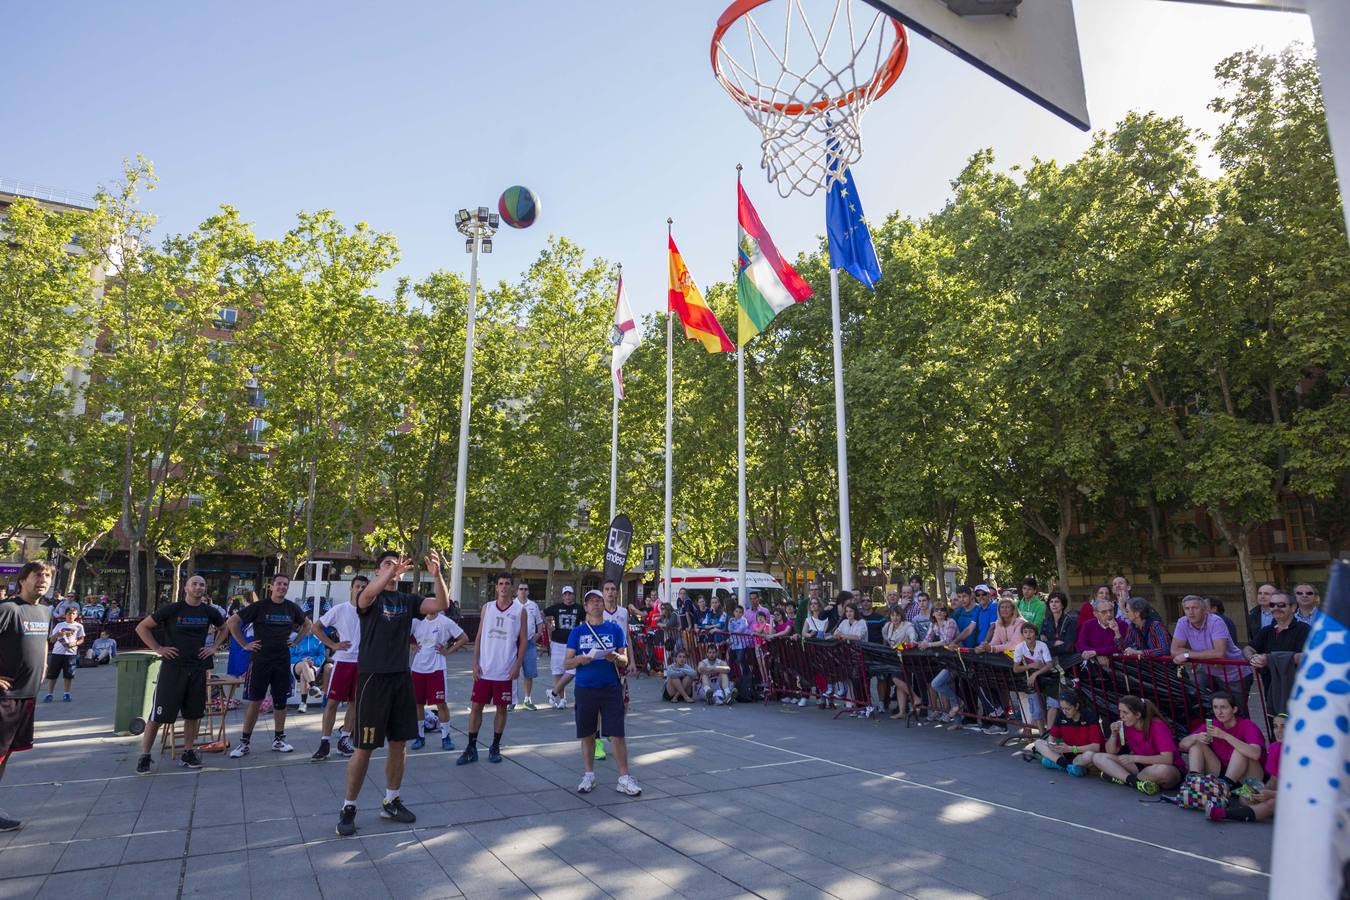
(273, 620)
(503, 632)
(24, 623)
(386, 707)
(597, 652)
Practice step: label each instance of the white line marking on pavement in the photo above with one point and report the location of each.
(790, 762)
(1026, 812)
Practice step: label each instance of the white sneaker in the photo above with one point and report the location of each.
(552, 699)
(719, 697)
(801, 702)
(240, 751)
(303, 707)
(587, 783)
(628, 786)
(280, 746)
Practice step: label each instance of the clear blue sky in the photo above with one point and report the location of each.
(399, 114)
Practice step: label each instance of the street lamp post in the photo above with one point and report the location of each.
(478, 228)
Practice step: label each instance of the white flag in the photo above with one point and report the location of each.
(624, 338)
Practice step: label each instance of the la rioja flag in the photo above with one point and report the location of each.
(624, 338)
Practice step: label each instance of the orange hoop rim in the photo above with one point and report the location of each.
(881, 82)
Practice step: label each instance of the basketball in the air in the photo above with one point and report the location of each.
(518, 206)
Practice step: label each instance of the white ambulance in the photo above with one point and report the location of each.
(721, 583)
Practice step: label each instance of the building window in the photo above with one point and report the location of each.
(227, 318)
(1298, 518)
(256, 398)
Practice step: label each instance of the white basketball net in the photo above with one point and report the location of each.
(804, 86)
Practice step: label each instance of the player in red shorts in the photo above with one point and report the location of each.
(344, 619)
(437, 636)
(503, 633)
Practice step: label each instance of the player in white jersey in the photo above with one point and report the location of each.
(343, 618)
(529, 667)
(437, 636)
(503, 631)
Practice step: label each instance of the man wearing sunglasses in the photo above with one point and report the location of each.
(1309, 603)
(1275, 651)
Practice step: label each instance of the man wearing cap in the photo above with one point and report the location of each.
(597, 653)
(986, 612)
(562, 618)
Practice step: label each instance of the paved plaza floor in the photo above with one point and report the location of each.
(751, 800)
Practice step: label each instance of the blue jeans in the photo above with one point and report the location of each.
(943, 687)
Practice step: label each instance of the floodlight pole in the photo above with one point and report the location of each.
(478, 228)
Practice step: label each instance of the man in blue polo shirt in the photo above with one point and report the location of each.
(986, 612)
(596, 651)
(963, 614)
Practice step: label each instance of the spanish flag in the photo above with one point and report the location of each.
(695, 315)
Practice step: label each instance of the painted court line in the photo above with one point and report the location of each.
(806, 757)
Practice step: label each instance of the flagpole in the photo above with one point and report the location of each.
(841, 440)
(670, 413)
(614, 435)
(740, 448)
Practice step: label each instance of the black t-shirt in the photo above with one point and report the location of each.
(1292, 638)
(272, 626)
(875, 623)
(565, 616)
(386, 626)
(23, 646)
(185, 628)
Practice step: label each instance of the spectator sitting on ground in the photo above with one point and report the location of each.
(1228, 746)
(1201, 635)
(1074, 738)
(1105, 634)
(103, 650)
(714, 676)
(1146, 635)
(1153, 760)
(1260, 806)
(680, 679)
(1216, 608)
(1006, 632)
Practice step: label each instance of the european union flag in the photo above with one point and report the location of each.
(850, 242)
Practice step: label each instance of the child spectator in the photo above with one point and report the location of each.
(1032, 657)
(437, 636)
(309, 662)
(1153, 761)
(1247, 805)
(64, 641)
(1074, 738)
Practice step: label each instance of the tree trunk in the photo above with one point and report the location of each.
(1062, 560)
(133, 598)
(935, 564)
(552, 566)
(974, 562)
(177, 579)
(151, 588)
(1243, 545)
(1159, 549)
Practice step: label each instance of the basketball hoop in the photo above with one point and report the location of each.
(805, 88)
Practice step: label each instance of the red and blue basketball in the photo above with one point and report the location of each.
(518, 206)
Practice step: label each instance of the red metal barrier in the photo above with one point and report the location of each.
(1181, 692)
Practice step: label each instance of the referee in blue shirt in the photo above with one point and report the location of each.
(597, 653)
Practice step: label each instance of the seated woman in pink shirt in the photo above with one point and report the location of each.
(1140, 750)
(1260, 805)
(1226, 745)
(1006, 633)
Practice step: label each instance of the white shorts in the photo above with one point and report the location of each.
(557, 652)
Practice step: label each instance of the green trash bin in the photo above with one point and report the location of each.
(137, 673)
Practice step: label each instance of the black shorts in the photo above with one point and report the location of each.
(385, 709)
(60, 665)
(180, 693)
(16, 726)
(599, 710)
(266, 675)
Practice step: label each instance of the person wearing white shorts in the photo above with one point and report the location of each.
(561, 618)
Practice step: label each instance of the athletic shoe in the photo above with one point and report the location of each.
(1048, 763)
(529, 703)
(552, 699)
(280, 746)
(1215, 811)
(627, 785)
(494, 755)
(345, 745)
(1076, 771)
(395, 810)
(447, 743)
(240, 751)
(1109, 779)
(190, 760)
(346, 826)
(587, 783)
(710, 697)
(869, 711)
(417, 743)
(1144, 786)
(1245, 792)
(995, 729)
(719, 697)
(801, 702)
(8, 824)
(599, 749)
(66, 697)
(47, 699)
(470, 755)
(143, 764)
(322, 752)
(303, 707)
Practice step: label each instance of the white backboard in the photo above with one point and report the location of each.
(1034, 52)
